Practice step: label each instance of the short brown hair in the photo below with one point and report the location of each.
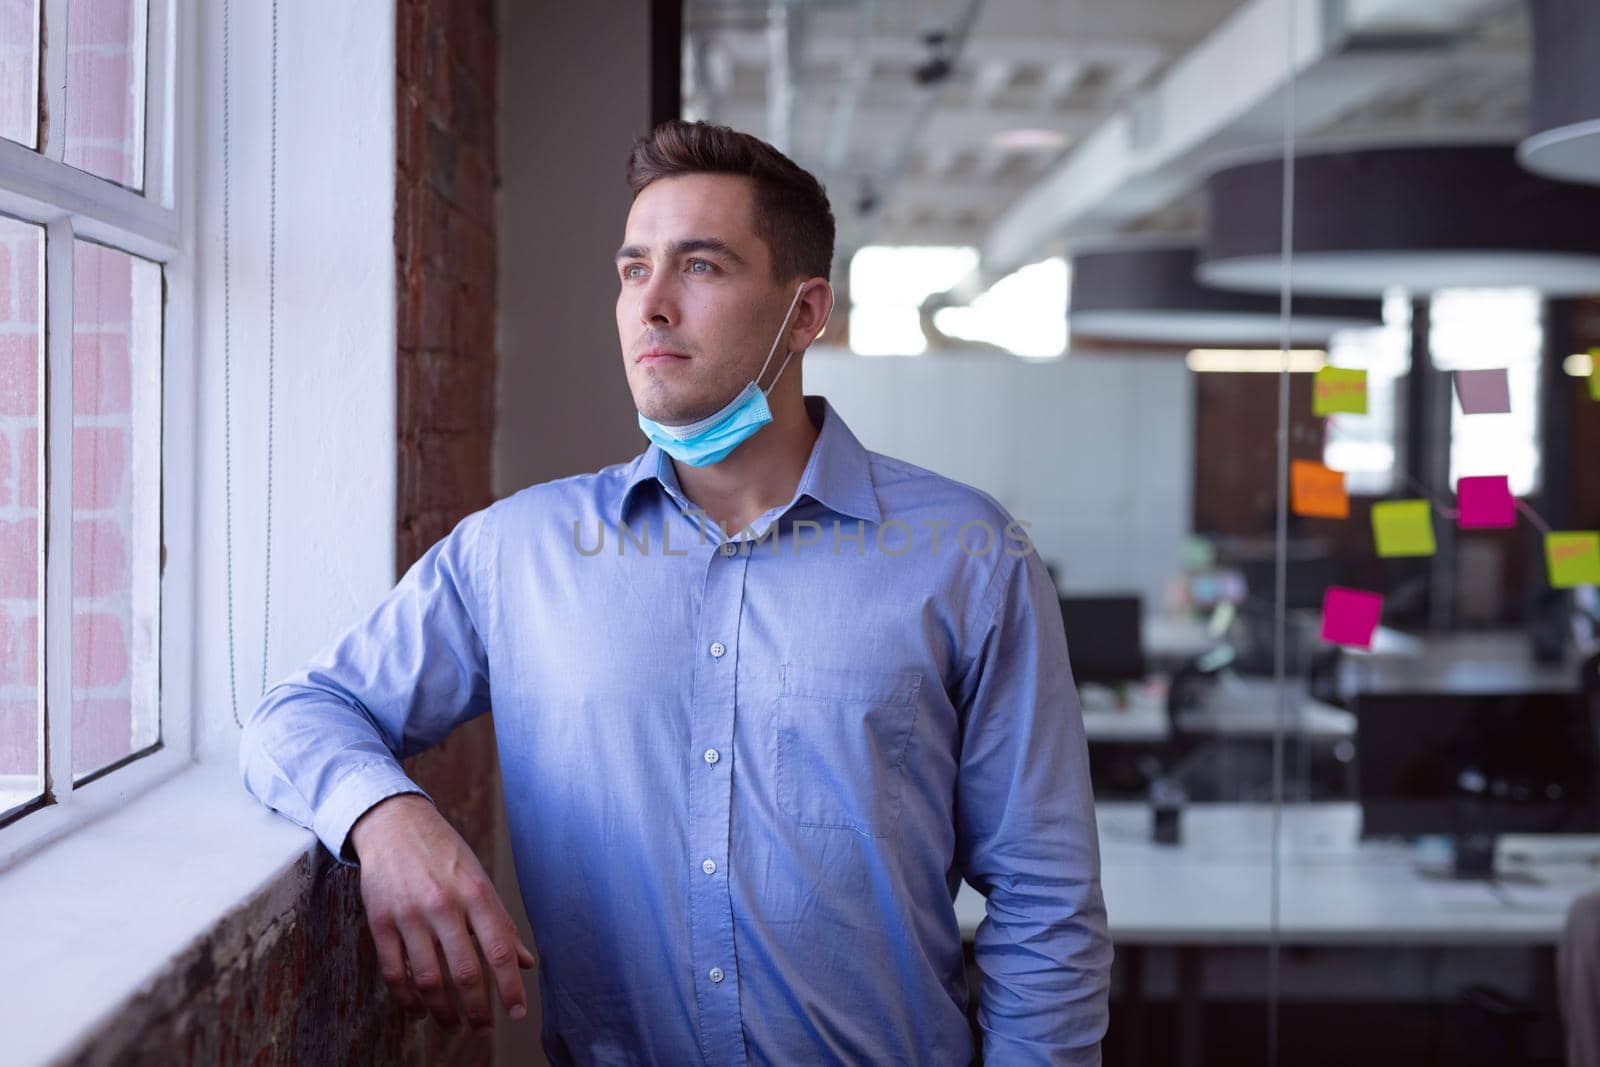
(791, 208)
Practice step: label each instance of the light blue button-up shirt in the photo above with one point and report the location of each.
(744, 777)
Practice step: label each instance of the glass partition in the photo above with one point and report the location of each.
(1276, 323)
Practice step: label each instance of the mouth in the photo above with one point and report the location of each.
(653, 356)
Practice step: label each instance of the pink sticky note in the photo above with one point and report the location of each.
(1349, 616)
(1483, 392)
(1485, 502)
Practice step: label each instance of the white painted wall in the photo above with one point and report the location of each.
(333, 492)
(1095, 452)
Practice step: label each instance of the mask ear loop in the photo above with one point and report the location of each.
(788, 353)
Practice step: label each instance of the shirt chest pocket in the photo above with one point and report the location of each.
(842, 738)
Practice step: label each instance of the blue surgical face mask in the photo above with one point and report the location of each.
(706, 441)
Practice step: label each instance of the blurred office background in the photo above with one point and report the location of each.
(1335, 826)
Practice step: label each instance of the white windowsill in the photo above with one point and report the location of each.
(91, 920)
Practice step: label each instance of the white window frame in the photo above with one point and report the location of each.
(157, 225)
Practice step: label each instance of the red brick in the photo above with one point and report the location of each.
(19, 559)
(101, 372)
(28, 468)
(5, 469)
(102, 23)
(474, 192)
(473, 330)
(104, 115)
(441, 394)
(435, 81)
(439, 167)
(26, 268)
(10, 668)
(409, 311)
(99, 466)
(99, 653)
(102, 732)
(411, 138)
(102, 286)
(19, 374)
(433, 325)
(28, 631)
(409, 35)
(99, 559)
(19, 737)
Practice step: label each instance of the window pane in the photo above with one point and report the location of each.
(21, 348)
(105, 88)
(19, 71)
(115, 371)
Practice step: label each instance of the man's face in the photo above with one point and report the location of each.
(696, 281)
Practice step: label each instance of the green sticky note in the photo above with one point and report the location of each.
(1339, 390)
(1573, 558)
(1594, 373)
(1403, 528)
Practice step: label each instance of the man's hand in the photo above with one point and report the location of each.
(424, 890)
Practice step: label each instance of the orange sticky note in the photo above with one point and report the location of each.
(1317, 491)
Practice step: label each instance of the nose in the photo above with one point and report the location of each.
(658, 300)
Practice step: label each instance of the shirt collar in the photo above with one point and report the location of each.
(838, 475)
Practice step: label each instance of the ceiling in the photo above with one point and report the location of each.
(900, 107)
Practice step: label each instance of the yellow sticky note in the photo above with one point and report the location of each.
(1339, 390)
(1403, 528)
(1594, 373)
(1317, 491)
(1573, 558)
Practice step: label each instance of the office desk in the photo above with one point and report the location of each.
(1236, 708)
(1216, 889)
(1488, 662)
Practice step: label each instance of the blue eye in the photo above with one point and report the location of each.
(699, 263)
(627, 272)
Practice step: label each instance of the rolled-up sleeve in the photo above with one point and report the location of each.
(325, 744)
(1026, 832)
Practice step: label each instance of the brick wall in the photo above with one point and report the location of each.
(292, 978)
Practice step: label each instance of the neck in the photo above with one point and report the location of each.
(760, 474)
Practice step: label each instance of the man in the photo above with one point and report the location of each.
(744, 775)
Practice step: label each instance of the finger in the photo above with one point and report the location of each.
(465, 972)
(502, 949)
(392, 965)
(525, 956)
(427, 973)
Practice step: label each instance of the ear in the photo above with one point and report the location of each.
(811, 314)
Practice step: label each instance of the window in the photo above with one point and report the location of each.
(88, 231)
(1363, 446)
(1486, 329)
(1025, 312)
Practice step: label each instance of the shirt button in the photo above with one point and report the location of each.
(712, 755)
(709, 866)
(718, 648)
(729, 548)
(716, 974)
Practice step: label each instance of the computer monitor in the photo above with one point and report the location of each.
(1474, 765)
(1104, 640)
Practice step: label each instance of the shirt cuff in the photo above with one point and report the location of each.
(352, 798)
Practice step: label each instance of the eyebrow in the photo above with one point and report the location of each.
(685, 245)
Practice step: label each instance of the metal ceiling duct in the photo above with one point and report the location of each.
(1148, 295)
(1418, 218)
(1565, 107)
